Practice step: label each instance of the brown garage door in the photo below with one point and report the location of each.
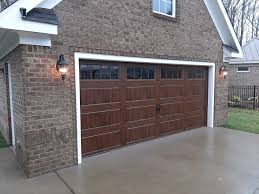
(122, 104)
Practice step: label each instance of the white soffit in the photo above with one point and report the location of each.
(10, 39)
(224, 27)
(8, 42)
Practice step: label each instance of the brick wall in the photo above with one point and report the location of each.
(221, 97)
(45, 106)
(49, 130)
(244, 78)
(15, 59)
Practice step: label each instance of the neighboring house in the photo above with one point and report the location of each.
(245, 71)
(137, 70)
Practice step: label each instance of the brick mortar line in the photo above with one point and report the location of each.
(65, 183)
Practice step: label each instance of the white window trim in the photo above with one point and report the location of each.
(99, 57)
(173, 10)
(249, 69)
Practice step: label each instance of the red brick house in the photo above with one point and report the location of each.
(132, 70)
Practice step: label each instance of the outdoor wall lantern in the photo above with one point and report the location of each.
(2, 71)
(62, 67)
(223, 70)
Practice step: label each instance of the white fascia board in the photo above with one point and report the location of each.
(101, 57)
(30, 38)
(11, 19)
(231, 29)
(49, 4)
(224, 26)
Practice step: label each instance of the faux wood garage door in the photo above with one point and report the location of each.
(123, 103)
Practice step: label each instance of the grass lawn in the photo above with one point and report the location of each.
(3, 143)
(243, 120)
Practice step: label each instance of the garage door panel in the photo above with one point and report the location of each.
(140, 103)
(171, 109)
(171, 91)
(134, 124)
(89, 84)
(194, 90)
(140, 133)
(97, 119)
(100, 95)
(171, 126)
(140, 93)
(100, 130)
(100, 107)
(93, 144)
(172, 117)
(140, 113)
(192, 122)
(191, 106)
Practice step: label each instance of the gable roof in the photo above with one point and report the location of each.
(37, 26)
(251, 53)
(231, 45)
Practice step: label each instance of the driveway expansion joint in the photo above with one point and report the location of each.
(65, 183)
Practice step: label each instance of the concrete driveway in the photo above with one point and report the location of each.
(201, 161)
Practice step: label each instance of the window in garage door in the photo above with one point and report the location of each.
(123, 104)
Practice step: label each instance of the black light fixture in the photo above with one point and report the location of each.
(223, 70)
(23, 12)
(62, 67)
(2, 70)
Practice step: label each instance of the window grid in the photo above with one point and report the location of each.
(99, 72)
(146, 73)
(172, 73)
(196, 73)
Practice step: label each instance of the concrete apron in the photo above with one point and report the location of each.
(201, 161)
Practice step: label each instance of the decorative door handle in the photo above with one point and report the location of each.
(158, 108)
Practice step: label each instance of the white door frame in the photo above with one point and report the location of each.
(100, 57)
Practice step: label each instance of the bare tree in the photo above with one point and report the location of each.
(243, 15)
(254, 17)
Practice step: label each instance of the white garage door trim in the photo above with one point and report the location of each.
(99, 57)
